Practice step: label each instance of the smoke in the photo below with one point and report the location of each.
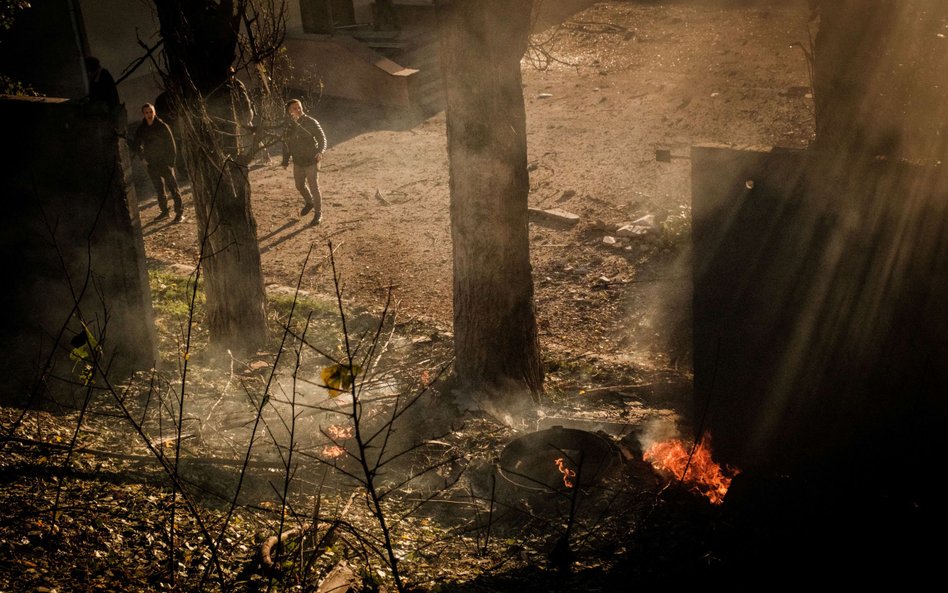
(658, 430)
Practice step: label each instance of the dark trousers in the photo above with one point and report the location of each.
(162, 177)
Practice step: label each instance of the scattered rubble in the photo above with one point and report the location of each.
(638, 227)
(181, 269)
(555, 215)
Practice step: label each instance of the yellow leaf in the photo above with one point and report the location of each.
(83, 344)
(338, 378)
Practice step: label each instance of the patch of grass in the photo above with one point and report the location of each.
(171, 294)
(324, 332)
(171, 297)
(562, 377)
(577, 369)
(280, 304)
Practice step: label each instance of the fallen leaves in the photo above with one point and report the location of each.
(338, 378)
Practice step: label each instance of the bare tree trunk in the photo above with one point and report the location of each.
(227, 230)
(495, 333)
(849, 48)
(879, 77)
(200, 43)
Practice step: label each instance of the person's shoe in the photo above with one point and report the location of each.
(316, 220)
(306, 209)
(179, 217)
(162, 215)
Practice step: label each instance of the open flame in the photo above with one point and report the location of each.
(333, 451)
(568, 474)
(337, 433)
(701, 473)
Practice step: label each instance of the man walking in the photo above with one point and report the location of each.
(305, 141)
(155, 144)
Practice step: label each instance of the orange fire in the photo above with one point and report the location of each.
(568, 474)
(702, 473)
(338, 432)
(333, 451)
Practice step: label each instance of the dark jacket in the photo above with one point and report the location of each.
(155, 143)
(303, 140)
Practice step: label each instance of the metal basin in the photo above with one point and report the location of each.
(530, 461)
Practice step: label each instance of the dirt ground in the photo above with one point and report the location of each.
(626, 79)
(614, 84)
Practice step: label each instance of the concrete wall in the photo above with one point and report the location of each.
(820, 307)
(44, 49)
(294, 17)
(70, 232)
(46, 45)
(52, 37)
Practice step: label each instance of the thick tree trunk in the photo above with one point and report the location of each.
(495, 333)
(849, 50)
(200, 40)
(227, 232)
(879, 78)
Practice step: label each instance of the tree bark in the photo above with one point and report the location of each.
(227, 232)
(200, 43)
(879, 77)
(495, 332)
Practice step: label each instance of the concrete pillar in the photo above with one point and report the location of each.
(71, 246)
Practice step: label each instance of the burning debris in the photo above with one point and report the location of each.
(333, 451)
(695, 468)
(556, 458)
(336, 433)
(339, 432)
(568, 474)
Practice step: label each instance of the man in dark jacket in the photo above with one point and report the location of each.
(305, 141)
(101, 84)
(155, 144)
